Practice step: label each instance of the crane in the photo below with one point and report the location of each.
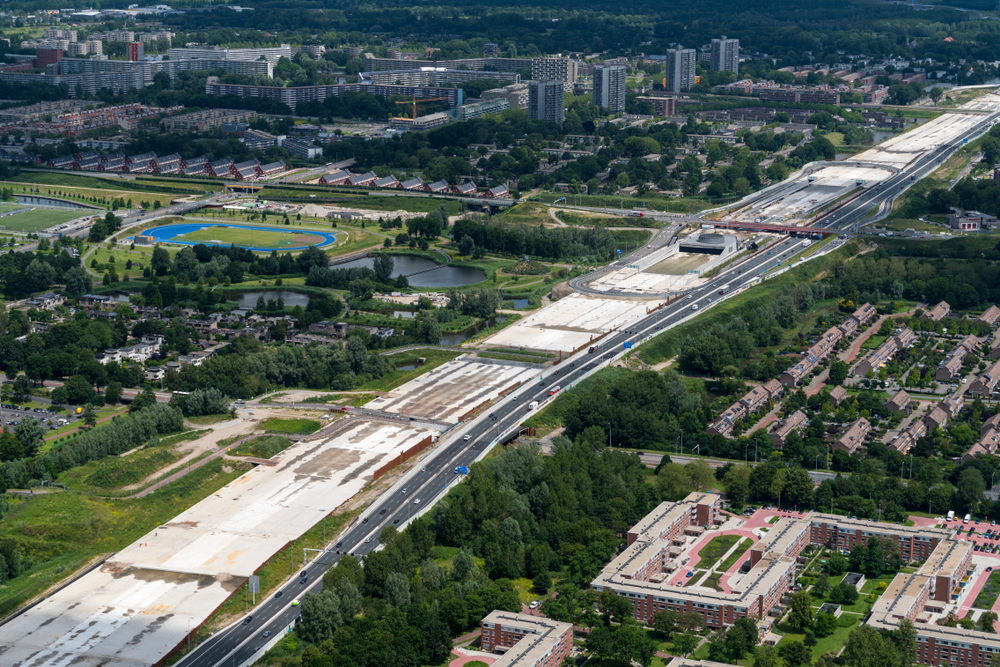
(414, 102)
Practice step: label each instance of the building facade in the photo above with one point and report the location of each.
(546, 100)
(609, 87)
(680, 69)
(725, 55)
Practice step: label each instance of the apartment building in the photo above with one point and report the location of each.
(609, 87)
(854, 437)
(899, 402)
(562, 69)
(436, 76)
(303, 149)
(793, 423)
(546, 100)
(787, 537)
(938, 312)
(483, 107)
(294, 95)
(985, 384)
(843, 533)
(991, 316)
(680, 69)
(255, 139)
(947, 565)
(725, 55)
(270, 54)
(525, 640)
(373, 64)
(209, 119)
(516, 95)
(662, 106)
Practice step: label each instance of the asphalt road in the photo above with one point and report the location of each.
(234, 645)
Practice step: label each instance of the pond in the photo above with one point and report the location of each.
(406, 367)
(248, 299)
(423, 272)
(37, 200)
(451, 339)
(404, 314)
(521, 303)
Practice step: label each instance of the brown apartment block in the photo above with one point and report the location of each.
(525, 640)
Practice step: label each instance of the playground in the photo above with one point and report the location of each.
(262, 239)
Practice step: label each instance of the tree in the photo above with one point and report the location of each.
(795, 654)
(986, 621)
(905, 639)
(320, 616)
(822, 585)
(397, 589)
(971, 488)
(838, 373)
(866, 647)
(737, 483)
(466, 246)
(21, 388)
(665, 622)
(765, 656)
(685, 643)
(836, 564)
(542, 583)
(383, 265)
(611, 605)
(160, 263)
(29, 434)
(89, 415)
(801, 615)
(78, 282)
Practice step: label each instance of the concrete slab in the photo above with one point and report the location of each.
(141, 604)
(113, 618)
(571, 323)
(451, 390)
(236, 530)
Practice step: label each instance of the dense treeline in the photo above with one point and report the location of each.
(576, 243)
(119, 436)
(523, 515)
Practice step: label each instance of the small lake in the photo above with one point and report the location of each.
(458, 338)
(404, 314)
(36, 200)
(428, 273)
(520, 303)
(248, 299)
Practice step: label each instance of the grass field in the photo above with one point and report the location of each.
(278, 425)
(988, 594)
(38, 219)
(263, 448)
(251, 237)
(713, 551)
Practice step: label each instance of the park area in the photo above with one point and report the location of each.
(262, 239)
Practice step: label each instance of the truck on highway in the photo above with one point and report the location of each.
(724, 290)
(533, 405)
(554, 390)
(593, 348)
(637, 214)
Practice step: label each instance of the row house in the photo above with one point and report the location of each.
(989, 438)
(387, 182)
(413, 184)
(64, 162)
(812, 357)
(498, 192)
(363, 180)
(899, 402)
(272, 168)
(168, 164)
(985, 384)
(252, 165)
(909, 438)
(886, 351)
(991, 316)
(864, 314)
(221, 168)
(247, 174)
(752, 401)
(438, 187)
(854, 436)
(336, 178)
(793, 423)
(467, 189)
(938, 312)
(142, 158)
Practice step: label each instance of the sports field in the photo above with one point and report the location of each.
(35, 218)
(254, 238)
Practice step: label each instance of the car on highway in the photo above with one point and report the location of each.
(467, 437)
(417, 501)
(368, 539)
(267, 633)
(279, 594)
(303, 580)
(295, 603)
(246, 621)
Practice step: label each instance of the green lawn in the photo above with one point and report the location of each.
(988, 594)
(736, 555)
(263, 448)
(713, 551)
(38, 219)
(279, 425)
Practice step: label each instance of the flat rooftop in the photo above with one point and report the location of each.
(141, 604)
(782, 534)
(946, 559)
(451, 390)
(902, 595)
(921, 532)
(570, 324)
(543, 635)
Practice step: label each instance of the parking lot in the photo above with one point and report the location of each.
(13, 415)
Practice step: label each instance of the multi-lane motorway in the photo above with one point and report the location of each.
(424, 485)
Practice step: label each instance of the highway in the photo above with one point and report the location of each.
(426, 485)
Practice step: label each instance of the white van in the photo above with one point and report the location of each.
(951, 515)
(966, 519)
